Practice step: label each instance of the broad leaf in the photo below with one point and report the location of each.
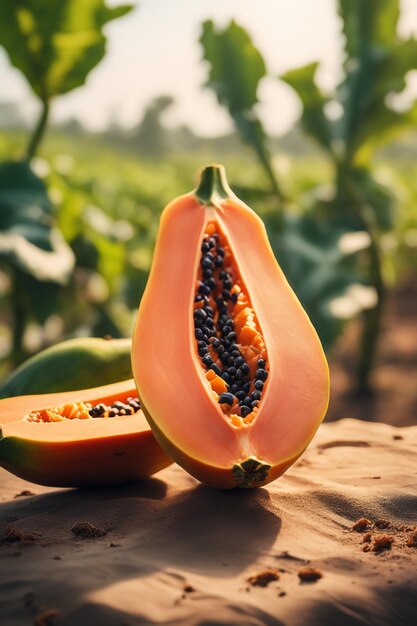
(377, 63)
(382, 125)
(374, 21)
(55, 44)
(28, 239)
(236, 69)
(39, 299)
(313, 118)
(236, 66)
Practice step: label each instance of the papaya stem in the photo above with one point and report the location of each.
(213, 186)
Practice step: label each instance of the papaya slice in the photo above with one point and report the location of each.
(87, 438)
(216, 300)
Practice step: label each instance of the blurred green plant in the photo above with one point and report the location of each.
(150, 136)
(30, 245)
(308, 250)
(236, 68)
(55, 45)
(337, 241)
(375, 68)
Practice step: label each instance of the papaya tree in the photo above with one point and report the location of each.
(376, 63)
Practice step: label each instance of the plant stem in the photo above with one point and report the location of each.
(266, 163)
(38, 132)
(213, 186)
(371, 327)
(19, 321)
(371, 317)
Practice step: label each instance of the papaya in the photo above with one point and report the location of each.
(229, 369)
(71, 365)
(86, 438)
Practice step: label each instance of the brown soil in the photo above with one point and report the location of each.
(14, 535)
(361, 525)
(412, 540)
(47, 617)
(86, 530)
(309, 574)
(172, 534)
(382, 542)
(262, 579)
(394, 397)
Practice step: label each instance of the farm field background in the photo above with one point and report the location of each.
(107, 202)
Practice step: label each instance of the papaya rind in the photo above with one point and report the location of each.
(218, 477)
(87, 463)
(70, 365)
(78, 453)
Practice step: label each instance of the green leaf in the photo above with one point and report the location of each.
(313, 117)
(373, 21)
(28, 239)
(377, 63)
(55, 44)
(236, 68)
(392, 68)
(40, 299)
(382, 124)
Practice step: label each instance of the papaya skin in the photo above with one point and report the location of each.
(78, 453)
(209, 475)
(220, 449)
(71, 365)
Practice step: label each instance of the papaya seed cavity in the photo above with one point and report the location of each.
(84, 410)
(228, 338)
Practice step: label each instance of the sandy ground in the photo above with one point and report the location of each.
(175, 552)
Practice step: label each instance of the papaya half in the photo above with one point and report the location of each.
(93, 437)
(70, 365)
(229, 369)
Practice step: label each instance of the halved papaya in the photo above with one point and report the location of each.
(229, 369)
(92, 437)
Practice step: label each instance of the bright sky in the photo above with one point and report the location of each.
(154, 50)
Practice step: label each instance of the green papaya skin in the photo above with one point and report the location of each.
(70, 365)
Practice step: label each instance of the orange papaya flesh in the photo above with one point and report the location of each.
(86, 438)
(249, 332)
